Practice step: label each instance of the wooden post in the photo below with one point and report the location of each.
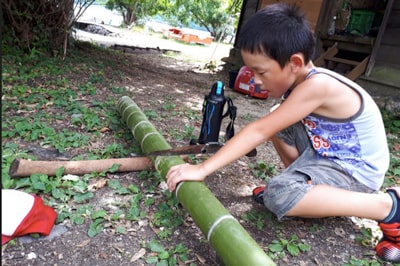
(23, 167)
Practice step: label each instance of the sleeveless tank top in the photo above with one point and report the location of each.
(357, 143)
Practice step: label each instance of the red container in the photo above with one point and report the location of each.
(245, 84)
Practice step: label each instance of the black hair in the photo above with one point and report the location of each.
(279, 31)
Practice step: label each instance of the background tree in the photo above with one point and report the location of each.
(134, 10)
(218, 17)
(41, 24)
(46, 25)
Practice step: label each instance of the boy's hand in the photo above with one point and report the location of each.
(184, 172)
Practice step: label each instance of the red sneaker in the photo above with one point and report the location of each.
(391, 232)
(388, 250)
(258, 194)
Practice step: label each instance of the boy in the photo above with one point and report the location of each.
(327, 131)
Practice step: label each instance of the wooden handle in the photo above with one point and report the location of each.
(22, 167)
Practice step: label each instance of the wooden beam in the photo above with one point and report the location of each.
(382, 29)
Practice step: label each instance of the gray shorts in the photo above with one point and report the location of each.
(285, 190)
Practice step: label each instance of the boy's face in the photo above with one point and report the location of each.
(268, 73)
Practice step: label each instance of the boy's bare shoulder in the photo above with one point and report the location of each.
(325, 95)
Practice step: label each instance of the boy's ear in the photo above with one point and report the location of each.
(296, 62)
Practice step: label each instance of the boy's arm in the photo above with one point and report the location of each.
(295, 108)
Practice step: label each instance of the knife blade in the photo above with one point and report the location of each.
(210, 147)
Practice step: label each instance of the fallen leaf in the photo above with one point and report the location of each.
(118, 249)
(138, 255)
(104, 129)
(340, 232)
(200, 258)
(98, 184)
(396, 146)
(84, 243)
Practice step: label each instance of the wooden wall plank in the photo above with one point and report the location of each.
(388, 54)
(310, 7)
(391, 37)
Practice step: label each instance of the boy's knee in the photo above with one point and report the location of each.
(273, 194)
(282, 194)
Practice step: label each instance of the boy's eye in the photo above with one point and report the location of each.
(261, 73)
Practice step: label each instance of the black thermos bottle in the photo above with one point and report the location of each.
(213, 108)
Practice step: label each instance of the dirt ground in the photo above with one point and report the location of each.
(184, 81)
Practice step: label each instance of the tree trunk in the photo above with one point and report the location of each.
(225, 234)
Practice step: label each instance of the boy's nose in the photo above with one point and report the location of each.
(257, 80)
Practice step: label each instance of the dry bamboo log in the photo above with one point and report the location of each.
(225, 234)
(22, 167)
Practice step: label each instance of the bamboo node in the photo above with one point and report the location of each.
(216, 223)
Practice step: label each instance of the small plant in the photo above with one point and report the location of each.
(294, 246)
(167, 218)
(162, 256)
(9, 153)
(190, 113)
(248, 117)
(391, 121)
(211, 66)
(97, 77)
(316, 228)
(150, 179)
(152, 115)
(168, 105)
(96, 226)
(262, 170)
(362, 262)
(113, 150)
(256, 218)
(185, 134)
(367, 239)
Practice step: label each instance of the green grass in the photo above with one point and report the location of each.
(44, 104)
(66, 106)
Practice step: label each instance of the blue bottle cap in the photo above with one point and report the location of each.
(220, 87)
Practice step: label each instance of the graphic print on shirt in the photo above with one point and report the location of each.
(333, 140)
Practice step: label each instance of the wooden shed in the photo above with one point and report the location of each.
(357, 38)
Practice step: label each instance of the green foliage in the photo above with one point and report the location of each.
(294, 246)
(9, 152)
(152, 115)
(392, 125)
(218, 17)
(249, 117)
(367, 238)
(43, 106)
(391, 121)
(393, 174)
(362, 262)
(134, 10)
(263, 170)
(163, 256)
(40, 26)
(168, 217)
(179, 134)
(256, 218)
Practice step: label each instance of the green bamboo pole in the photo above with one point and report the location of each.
(225, 234)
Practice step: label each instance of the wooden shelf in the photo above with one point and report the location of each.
(367, 40)
(342, 60)
(331, 55)
(350, 43)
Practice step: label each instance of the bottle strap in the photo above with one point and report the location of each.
(232, 111)
(230, 129)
